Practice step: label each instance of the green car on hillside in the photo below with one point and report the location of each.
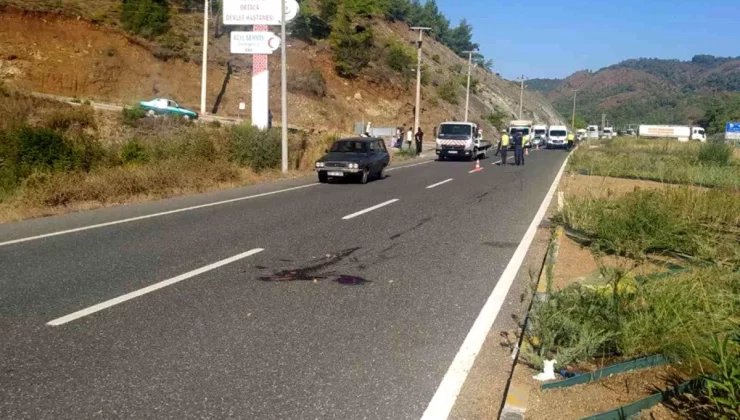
(163, 106)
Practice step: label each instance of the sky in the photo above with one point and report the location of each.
(555, 38)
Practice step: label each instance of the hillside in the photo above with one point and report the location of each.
(78, 48)
(648, 90)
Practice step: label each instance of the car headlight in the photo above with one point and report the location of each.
(319, 164)
(353, 166)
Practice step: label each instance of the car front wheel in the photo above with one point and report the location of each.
(365, 176)
(323, 177)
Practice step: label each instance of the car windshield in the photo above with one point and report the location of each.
(538, 132)
(350, 146)
(523, 130)
(455, 130)
(557, 133)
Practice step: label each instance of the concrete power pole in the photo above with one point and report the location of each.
(467, 94)
(573, 118)
(283, 91)
(417, 108)
(521, 96)
(603, 121)
(205, 59)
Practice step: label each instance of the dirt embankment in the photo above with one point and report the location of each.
(70, 56)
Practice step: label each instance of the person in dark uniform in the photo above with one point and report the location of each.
(419, 137)
(518, 149)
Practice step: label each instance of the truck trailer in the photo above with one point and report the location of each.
(679, 132)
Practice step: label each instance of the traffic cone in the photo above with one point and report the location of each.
(477, 166)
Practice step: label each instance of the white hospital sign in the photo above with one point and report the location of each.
(254, 42)
(257, 12)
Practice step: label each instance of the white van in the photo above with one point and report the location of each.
(593, 131)
(557, 136)
(539, 134)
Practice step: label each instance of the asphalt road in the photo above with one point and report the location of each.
(272, 333)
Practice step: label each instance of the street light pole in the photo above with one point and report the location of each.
(283, 91)
(467, 94)
(417, 108)
(573, 119)
(521, 97)
(205, 59)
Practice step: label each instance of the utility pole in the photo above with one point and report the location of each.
(467, 94)
(417, 108)
(205, 59)
(283, 90)
(521, 96)
(573, 119)
(603, 120)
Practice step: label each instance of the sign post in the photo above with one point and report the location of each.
(260, 43)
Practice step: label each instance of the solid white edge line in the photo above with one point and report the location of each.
(446, 395)
(156, 286)
(369, 209)
(149, 216)
(439, 183)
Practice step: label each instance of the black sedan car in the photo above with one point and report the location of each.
(360, 158)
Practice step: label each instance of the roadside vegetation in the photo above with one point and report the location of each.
(709, 164)
(688, 307)
(56, 156)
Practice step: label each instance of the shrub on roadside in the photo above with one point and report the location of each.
(135, 152)
(400, 58)
(677, 316)
(718, 154)
(255, 148)
(131, 116)
(68, 117)
(448, 92)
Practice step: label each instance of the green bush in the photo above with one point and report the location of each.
(132, 115)
(722, 385)
(135, 152)
(148, 18)
(497, 118)
(448, 92)
(400, 58)
(255, 148)
(677, 316)
(679, 221)
(79, 116)
(715, 154)
(351, 45)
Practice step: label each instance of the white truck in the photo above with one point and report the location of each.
(557, 136)
(608, 133)
(457, 139)
(525, 128)
(592, 132)
(679, 132)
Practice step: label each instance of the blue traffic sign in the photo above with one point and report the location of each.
(733, 127)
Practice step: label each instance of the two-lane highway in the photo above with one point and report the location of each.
(300, 301)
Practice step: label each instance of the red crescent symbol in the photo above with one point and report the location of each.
(270, 42)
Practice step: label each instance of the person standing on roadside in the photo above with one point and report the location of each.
(503, 147)
(419, 137)
(571, 139)
(518, 149)
(409, 137)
